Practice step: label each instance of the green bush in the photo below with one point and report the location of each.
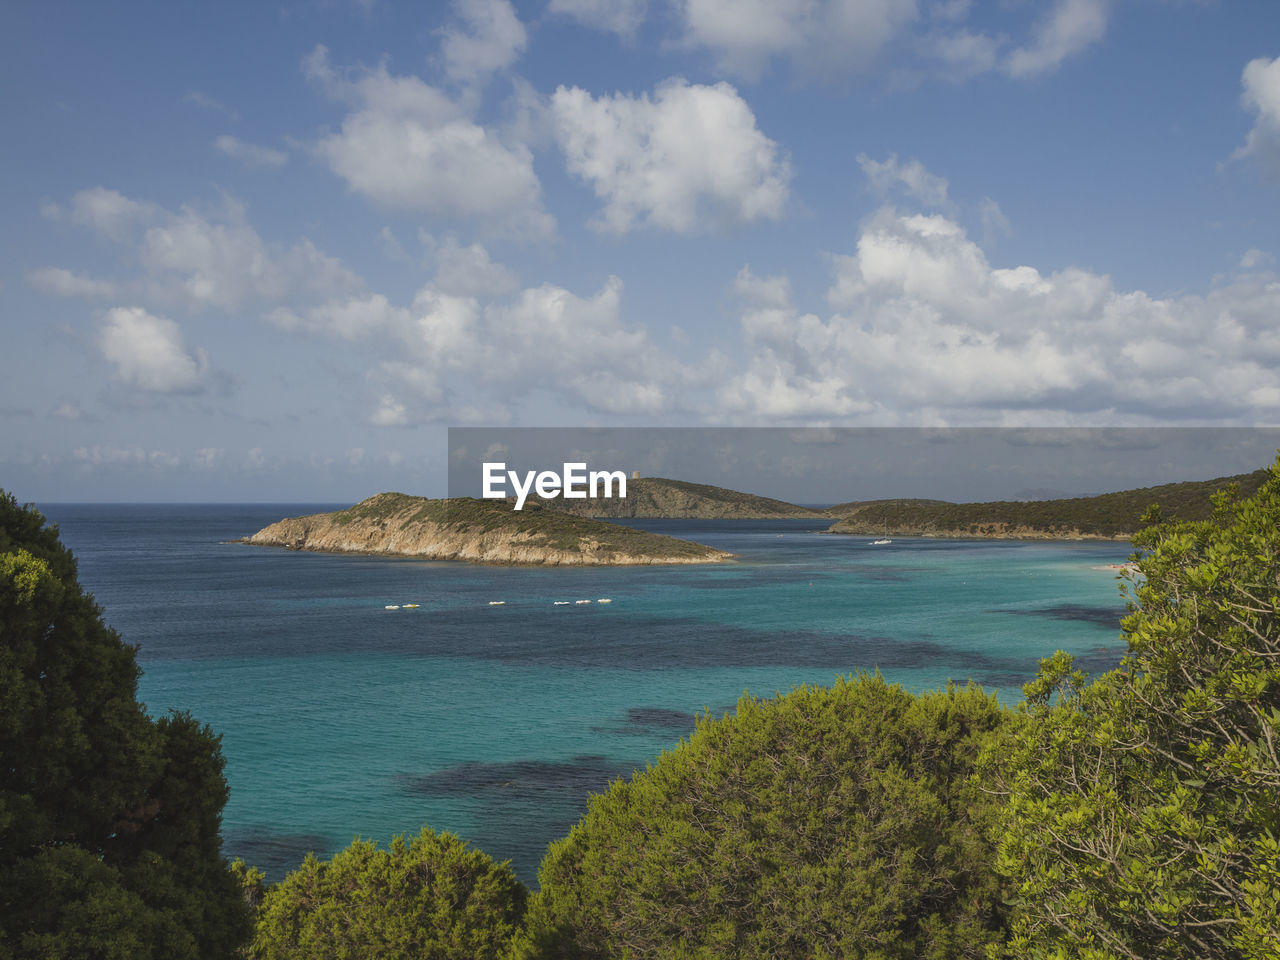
(429, 898)
(830, 822)
(1144, 808)
(109, 842)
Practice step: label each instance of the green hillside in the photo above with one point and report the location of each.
(1110, 515)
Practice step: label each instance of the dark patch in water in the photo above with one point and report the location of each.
(660, 717)
(275, 854)
(1102, 616)
(518, 808)
(519, 780)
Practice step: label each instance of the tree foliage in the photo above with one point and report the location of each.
(429, 898)
(1144, 808)
(830, 822)
(109, 842)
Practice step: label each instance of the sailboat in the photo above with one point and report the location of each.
(883, 540)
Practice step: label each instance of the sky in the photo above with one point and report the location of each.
(271, 251)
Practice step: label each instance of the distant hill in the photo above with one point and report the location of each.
(481, 531)
(1110, 516)
(657, 497)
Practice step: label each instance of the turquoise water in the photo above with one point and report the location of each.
(340, 717)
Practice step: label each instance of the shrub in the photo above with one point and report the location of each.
(830, 822)
(429, 898)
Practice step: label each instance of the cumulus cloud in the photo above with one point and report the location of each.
(407, 146)
(63, 283)
(469, 271)
(1254, 258)
(193, 258)
(148, 352)
(963, 53)
(435, 357)
(202, 260)
(911, 178)
(489, 39)
(1070, 27)
(250, 154)
(923, 324)
(1261, 82)
(622, 17)
(822, 38)
(688, 159)
(108, 212)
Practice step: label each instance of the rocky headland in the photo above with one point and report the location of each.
(479, 531)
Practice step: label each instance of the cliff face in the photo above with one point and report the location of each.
(479, 531)
(655, 497)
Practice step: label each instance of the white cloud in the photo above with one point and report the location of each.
(209, 103)
(912, 178)
(436, 358)
(148, 352)
(68, 410)
(923, 326)
(994, 223)
(222, 261)
(622, 17)
(964, 53)
(470, 272)
(409, 147)
(63, 283)
(108, 212)
(689, 159)
(1254, 258)
(353, 318)
(208, 458)
(250, 154)
(822, 38)
(1261, 82)
(491, 40)
(1068, 29)
(195, 259)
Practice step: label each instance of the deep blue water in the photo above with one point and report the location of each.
(340, 717)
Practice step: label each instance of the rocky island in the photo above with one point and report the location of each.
(480, 531)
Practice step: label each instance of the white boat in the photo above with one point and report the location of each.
(561, 603)
(411, 606)
(605, 600)
(579, 602)
(392, 606)
(881, 542)
(497, 603)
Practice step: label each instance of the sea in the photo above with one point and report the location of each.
(495, 707)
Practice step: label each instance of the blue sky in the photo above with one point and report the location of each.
(272, 250)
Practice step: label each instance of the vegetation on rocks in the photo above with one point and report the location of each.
(1109, 516)
(487, 531)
